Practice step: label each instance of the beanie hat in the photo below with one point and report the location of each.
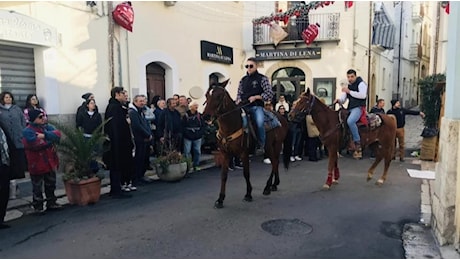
(86, 95)
(33, 114)
(393, 102)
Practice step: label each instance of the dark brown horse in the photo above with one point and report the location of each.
(380, 140)
(233, 140)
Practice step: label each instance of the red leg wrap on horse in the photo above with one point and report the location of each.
(329, 179)
(336, 174)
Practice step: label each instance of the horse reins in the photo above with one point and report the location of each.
(234, 135)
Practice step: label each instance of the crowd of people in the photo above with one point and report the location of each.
(138, 130)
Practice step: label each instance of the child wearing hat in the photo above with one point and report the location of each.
(39, 139)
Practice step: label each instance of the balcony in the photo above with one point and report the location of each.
(415, 52)
(417, 13)
(328, 30)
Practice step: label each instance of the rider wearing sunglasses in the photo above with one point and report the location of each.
(254, 89)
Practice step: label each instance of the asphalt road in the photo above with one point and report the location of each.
(356, 219)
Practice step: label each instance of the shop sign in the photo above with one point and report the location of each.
(21, 28)
(289, 54)
(216, 52)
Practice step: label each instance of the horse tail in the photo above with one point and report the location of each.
(287, 148)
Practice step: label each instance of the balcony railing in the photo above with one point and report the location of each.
(415, 52)
(417, 12)
(328, 30)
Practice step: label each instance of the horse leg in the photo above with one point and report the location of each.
(223, 180)
(267, 189)
(388, 158)
(245, 159)
(331, 165)
(335, 180)
(275, 164)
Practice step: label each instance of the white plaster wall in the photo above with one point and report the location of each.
(79, 63)
(172, 35)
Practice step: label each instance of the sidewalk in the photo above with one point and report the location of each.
(418, 239)
(22, 205)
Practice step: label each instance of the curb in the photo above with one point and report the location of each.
(23, 206)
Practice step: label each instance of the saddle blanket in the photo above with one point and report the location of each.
(270, 120)
(373, 120)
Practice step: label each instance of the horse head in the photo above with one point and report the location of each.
(303, 105)
(217, 99)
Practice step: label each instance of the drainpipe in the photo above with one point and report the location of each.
(436, 37)
(120, 77)
(369, 53)
(400, 47)
(110, 43)
(127, 58)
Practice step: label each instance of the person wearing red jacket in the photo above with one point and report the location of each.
(39, 141)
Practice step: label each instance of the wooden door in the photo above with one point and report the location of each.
(155, 81)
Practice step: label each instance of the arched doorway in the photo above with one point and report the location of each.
(155, 75)
(288, 81)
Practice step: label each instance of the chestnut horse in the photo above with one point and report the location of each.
(233, 140)
(331, 127)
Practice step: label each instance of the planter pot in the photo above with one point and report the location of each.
(429, 148)
(175, 172)
(83, 192)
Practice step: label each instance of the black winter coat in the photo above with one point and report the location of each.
(193, 126)
(118, 130)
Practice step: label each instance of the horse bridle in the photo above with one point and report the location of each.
(308, 109)
(221, 103)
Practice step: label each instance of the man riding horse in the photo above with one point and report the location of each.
(255, 89)
(356, 93)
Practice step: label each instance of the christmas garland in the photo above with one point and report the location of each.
(298, 10)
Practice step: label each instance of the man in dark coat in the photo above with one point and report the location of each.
(378, 108)
(142, 135)
(121, 144)
(400, 114)
(170, 127)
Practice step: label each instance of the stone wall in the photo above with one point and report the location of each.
(445, 185)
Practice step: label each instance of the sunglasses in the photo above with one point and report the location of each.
(249, 66)
(40, 116)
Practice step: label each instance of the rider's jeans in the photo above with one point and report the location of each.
(355, 114)
(257, 115)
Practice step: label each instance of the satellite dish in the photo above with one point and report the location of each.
(196, 92)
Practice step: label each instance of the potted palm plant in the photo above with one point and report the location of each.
(431, 91)
(82, 181)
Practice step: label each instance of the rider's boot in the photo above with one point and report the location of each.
(358, 154)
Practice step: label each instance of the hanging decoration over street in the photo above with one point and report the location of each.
(123, 15)
(348, 4)
(310, 33)
(298, 10)
(277, 33)
(446, 6)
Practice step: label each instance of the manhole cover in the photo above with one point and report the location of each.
(287, 227)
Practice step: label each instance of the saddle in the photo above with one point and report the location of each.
(271, 122)
(367, 122)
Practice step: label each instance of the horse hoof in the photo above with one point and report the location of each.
(335, 182)
(218, 205)
(274, 188)
(379, 182)
(368, 178)
(248, 198)
(326, 187)
(266, 192)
